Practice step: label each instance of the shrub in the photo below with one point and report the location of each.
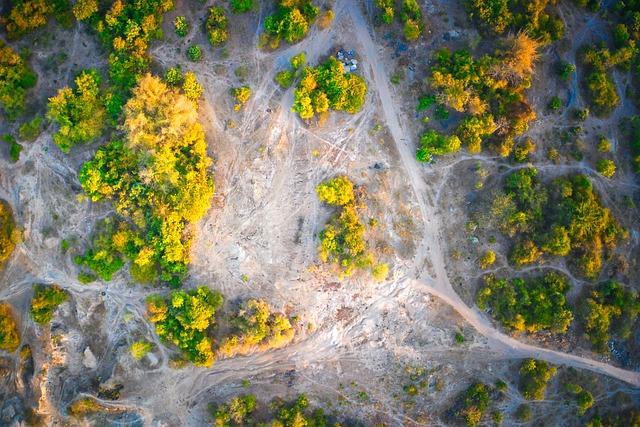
(604, 145)
(606, 168)
(45, 300)
(240, 6)
(31, 130)
(566, 70)
(182, 26)
(298, 61)
(534, 376)
(555, 103)
(191, 88)
(523, 413)
(487, 259)
(194, 53)
(285, 78)
(139, 349)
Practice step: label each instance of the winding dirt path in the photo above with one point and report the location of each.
(429, 247)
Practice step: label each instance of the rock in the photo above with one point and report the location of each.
(89, 360)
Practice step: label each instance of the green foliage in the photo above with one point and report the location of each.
(487, 90)
(9, 235)
(9, 338)
(86, 278)
(139, 349)
(496, 16)
(534, 376)
(79, 112)
(585, 400)
(194, 53)
(523, 150)
(604, 145)
(606, 168)
(435, 144)
(341, 241)
(528, 305)
(240, 6)
(184, 319)
(566, 70)
(237, 411)
(241, 94)
(217, 26)
(182, 26)
(574, 223)
(173, 77)
(15, 149)
(15, 79)
(424, 102)
(191, 88)
(255, 327)
(157, 177)
(31, 130)
(459, 338)
(555, 103)
(126, 29)
(609, 309)
(328, 86)
(386, 6)
(487, 259)
(473, 403)
(27, 15)
(523, 413)
(298, 61)
(84, 9)
(617, 418)
(291, 19)
(45, 300)
(285, 78)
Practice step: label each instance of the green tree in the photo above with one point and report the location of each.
(15, 79)
(606, 168)
(240, 6)
(45, 300)
(291, 19)
(9, 338)
(79, 112)
(534, 376)
(487, 259)
(217, 26)
(139, 349)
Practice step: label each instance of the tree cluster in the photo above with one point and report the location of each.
(255, 327)
(184, 319)
(217, 26)
(528, 304)
(328, 86)
(9, 338)
(534, 376)
(341, 241)
(489, 91)
(409, 14)
(246, 411)
(45, 300)
(499, 16)
(472, 404)
(27, 15)
(286, 77)
(609, 309)
(79, 111)
(157, 177)
(291, 20)
(15, 79)
(565, 218)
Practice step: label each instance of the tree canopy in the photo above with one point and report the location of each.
(45, 300)
(291, 19)
(15, 79)
(157, 177)
(9, 338)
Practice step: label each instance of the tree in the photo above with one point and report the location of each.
(9, 338)
(606, 168)
(182, 26)
(240, 6)
(79, 112)
(45, 300)
(27, 15)
(241, 94)
(191, 88)
(194, 53)
(9, 236)
(412, 29)
(487, 259)
(139, 349)
(83, 9)
(338, 191)
(518, 55)
(15, 79)
(291, 19)
(534, 376)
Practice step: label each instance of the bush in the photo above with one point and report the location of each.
(566, 70)
(285, 78)
(523, 413)
(191, 88)
(14, 148)
(182, 26)
(487, 259)
(606, 168)
(194, 53)
(555, 103)
(31, 130)
(9, 338)
(45, 300)
(534, 376)
(139, 349)
(240, 6)
(604, 145)
(291, 20)
(298, 61)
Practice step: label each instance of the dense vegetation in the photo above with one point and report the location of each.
(45, 300)
(610, 308)
(328, 86)
(528, 304)
(9, 338)
(157, 177)
(291, 20)
(27, 15)
(565, 218)
(472, 404)
(341, 241)
(534, 376)
(15, 79)
(245, 411)
(255, 327)
(184, 319)
(489, 91)
(79, 112)
(497, 17)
